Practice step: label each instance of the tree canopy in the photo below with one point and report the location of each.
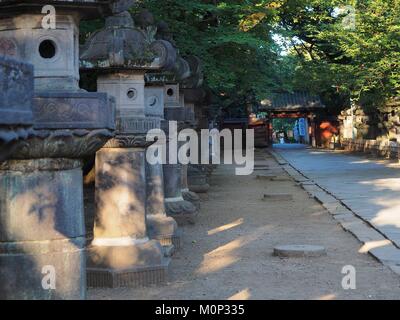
(342, 50)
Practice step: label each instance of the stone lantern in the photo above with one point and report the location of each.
(178, 197)
(157, 220)
(41, 201)
(194, 94)
(167, 82)
(122, 253)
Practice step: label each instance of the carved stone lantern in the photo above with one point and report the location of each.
(157, 220)
(41, 201)
(122, 253)
(194, 94)
(176, 203)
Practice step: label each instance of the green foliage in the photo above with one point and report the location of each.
(361, 63)
(233, 39)
(236, 40)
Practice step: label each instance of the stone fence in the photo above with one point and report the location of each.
(378, 148)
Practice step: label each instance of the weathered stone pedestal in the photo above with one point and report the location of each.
(197, 179)
(186, 193)
(184, 212)
(41, 227)
(160, 226)
(121, 253)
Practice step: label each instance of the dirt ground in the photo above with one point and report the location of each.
(228, 253)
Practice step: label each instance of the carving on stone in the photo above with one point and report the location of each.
(181, 209)
(191, 197)
(134, 125)
(119, 6)
(8, 47)
(129, 141)
(73, 111)
(73, 144)
(16, 90)
(119, 43)
(196, 78)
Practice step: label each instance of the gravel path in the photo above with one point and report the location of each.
(228, 253)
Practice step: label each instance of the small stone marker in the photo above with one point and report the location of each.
(278, 197)
(266, 177)
(281, 178)
(256, 166)
(299, 251)
(261, 168)
(169, 251)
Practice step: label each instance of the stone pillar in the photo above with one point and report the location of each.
(122, 253)
(42, 230)
(160, 226)
(190, 120)
(186, 193)
(181, 210)
(197, 179)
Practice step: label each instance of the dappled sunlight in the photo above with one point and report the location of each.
(229, 253)
(34, 226)
(384, 184)
(360, 162)
(119, 211)
(368, 246)
(122, 257)
(388, 216)
(228, 226)
(215, 263)
(242, 295)
(327, 297)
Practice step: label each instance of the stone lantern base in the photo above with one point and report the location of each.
(197, 180)
(186, 193)
(160, 226)
(41, 230)
(126, 262)
(121, 253)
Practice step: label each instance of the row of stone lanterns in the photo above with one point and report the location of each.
(47, 130)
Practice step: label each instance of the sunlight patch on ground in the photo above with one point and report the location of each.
(389, 216)
(360, 162)
(229, 253)
(242, 295)
(327, 297)
(373, 245)
(382, 184)
(228, 226)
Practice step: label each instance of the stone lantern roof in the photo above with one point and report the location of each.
(196, 78)
(122, 46)
(192, 86)
(87, 8)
